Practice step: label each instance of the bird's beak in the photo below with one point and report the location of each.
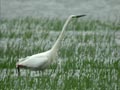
(78, 16)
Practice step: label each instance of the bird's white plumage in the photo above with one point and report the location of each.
(42, 60)
(37, 61)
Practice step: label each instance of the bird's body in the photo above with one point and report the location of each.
(42, 60)
(38, 61)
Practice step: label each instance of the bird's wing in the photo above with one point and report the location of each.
(22, 59)
(34, 62)
(39, 60)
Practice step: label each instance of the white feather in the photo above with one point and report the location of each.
(41, 61)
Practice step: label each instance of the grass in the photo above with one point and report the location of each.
(89, 55)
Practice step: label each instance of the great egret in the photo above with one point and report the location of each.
(42, 60)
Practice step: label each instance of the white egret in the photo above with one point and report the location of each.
(42, 60)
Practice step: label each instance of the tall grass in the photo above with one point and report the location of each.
(88, 58)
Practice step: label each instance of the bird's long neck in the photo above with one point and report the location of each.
(57, 43)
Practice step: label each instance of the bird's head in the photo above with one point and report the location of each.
(77, 16)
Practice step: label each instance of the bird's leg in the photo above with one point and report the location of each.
(42, 73)
(59, 66)
(39, 72)
(18, 70)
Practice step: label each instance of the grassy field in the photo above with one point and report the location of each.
(89, 57)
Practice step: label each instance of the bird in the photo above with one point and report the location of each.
(43, 60)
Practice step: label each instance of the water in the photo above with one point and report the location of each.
(100, 9)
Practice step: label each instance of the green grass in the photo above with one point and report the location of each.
(89, 54)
